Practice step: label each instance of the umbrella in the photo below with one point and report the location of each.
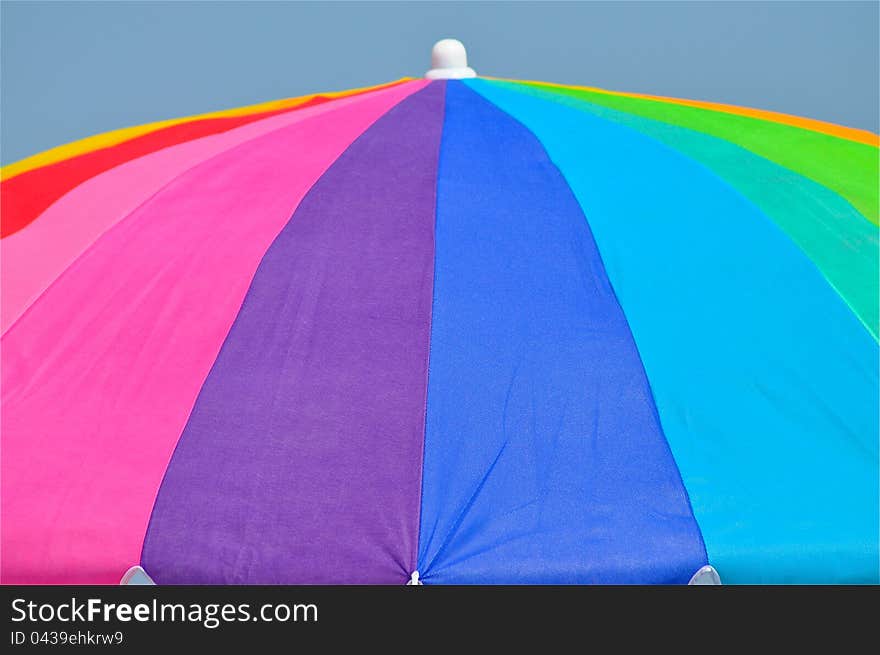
(444, 330)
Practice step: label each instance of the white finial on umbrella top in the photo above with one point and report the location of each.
(449, 61)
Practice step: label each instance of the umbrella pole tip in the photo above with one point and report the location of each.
(449, 61)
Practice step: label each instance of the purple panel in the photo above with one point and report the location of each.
(301, 461)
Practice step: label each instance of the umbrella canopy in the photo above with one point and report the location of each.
(483, 330)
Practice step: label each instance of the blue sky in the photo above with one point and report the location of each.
(71, 69)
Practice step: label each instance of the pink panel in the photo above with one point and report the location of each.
(100, 374)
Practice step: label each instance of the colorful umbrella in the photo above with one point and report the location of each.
(453, 331)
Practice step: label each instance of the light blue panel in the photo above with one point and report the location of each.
(765, 381)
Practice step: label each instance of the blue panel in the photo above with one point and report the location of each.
(544, 459)
(765, 381)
